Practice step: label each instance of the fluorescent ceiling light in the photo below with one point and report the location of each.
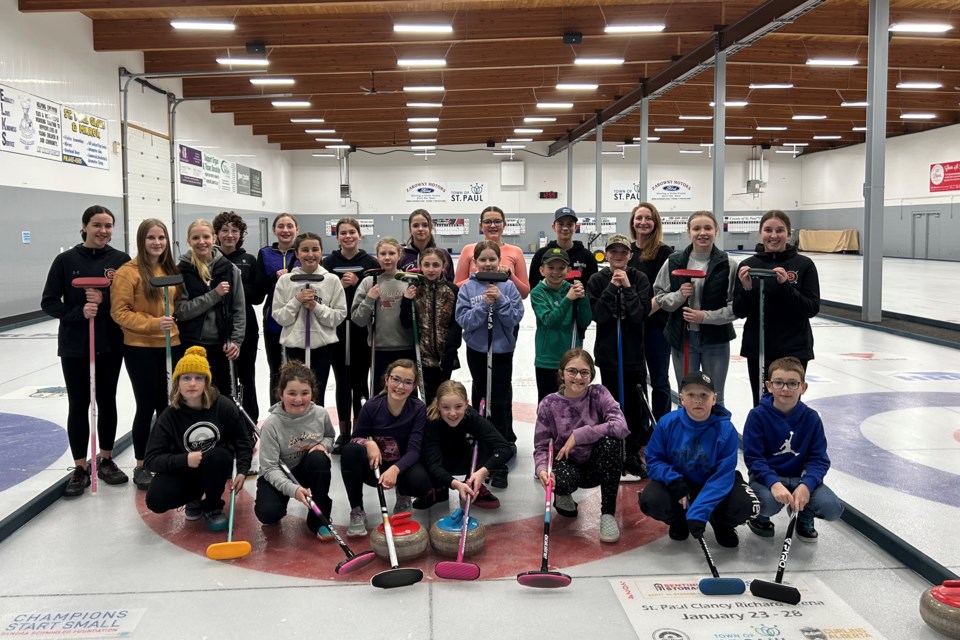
(649, 139)
(634, 28)
(425, 154)
(426, 105)
(324, 155)
(809, 117)
(793, 153)
(519, 140)
(421, 62)
(691, 150)
(554, 105)
(422, 129)
(513, 146)
(796, 144)
(831, 137)
(917, 116)
(576, 86)
(833, 62)
(859, 103)
(919, 85)
(276, 82)
(535, 119)
(423, 28)
(329, 139)
(906, 27)
(669, 129)
(611, 153)
(425, 88)
(772, 85)
(526, 130)
(859, 129)
(337, 146)
(200, 25)
(695, 117)
(706, 144)
(503, 153)
(771, 128)
(244, 62)
(307, 120)
(291, 104)
(738, 137)
(599, 61)
(423, 148)
(424, 119)
(320, 131)
(422, 140)
(732, 103)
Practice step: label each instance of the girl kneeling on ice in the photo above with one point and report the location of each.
(588, 426)
(300, 434)
(192, 446)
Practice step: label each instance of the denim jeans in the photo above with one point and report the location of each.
(824, 503)
(712, 359)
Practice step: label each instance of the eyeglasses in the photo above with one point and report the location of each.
(396, 380)
(793, 385)
(492, 222)
(575, 373)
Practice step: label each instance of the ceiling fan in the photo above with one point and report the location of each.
(372, 89)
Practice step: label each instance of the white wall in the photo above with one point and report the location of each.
(378, 181)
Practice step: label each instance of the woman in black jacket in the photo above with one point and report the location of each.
(789, 301)
(74, 307)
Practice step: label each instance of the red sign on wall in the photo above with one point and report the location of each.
(945, 176)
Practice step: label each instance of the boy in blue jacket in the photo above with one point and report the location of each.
(692, 460)
(785, 450)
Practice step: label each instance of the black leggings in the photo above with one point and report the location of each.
(76, 377)
(433, 377)
(319, 364)
(313, 472)
(246, 369)
(271, 344)
(547, 382)
(601, 468)
(350, 394)
(171, 490)
(501, 411)
(356, 471)
(737, 507)
(634, 383)
(753, 371)
(147, 368)
(382, 360)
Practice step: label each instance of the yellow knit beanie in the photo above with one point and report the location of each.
(193, 361)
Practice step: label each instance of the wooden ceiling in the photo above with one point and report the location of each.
(503, 57)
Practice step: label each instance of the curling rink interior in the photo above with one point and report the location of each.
(891, 407)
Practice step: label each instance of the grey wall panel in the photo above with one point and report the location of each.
(53, 220)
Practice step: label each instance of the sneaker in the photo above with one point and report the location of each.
(192, 511)
(79, 481)
(761, 526)
(435, 495)
(633, 465)
(806, 531)
(726, 536)
(403, 504)
(565, 505)
(485, 499)
(142, 478)
(358, 523)
(609, 531)
(499, 478)
(679, 530)
(323, 534)
(109, 472)
(216, 521)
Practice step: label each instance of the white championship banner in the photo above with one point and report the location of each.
(672, 608)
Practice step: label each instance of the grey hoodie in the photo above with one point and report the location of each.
(288, 438)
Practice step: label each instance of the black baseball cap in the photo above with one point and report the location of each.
(555, 253)
(564, 212)
(698, 378)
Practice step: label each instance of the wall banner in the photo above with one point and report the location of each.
(190, 162)
(671, 190)
(426, 191)
(945, 176)
(467, 191)
(625, 191)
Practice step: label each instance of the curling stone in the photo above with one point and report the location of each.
(940, 608)
(445, 535)
(409, 538)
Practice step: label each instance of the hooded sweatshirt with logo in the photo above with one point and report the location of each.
(287, 438)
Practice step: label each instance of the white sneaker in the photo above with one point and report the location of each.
(609, 531)
(403, 503)
(358, 523)
(565, 505)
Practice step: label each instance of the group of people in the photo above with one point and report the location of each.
(391, 326)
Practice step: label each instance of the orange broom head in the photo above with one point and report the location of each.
(228, 550)
(91, 283)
